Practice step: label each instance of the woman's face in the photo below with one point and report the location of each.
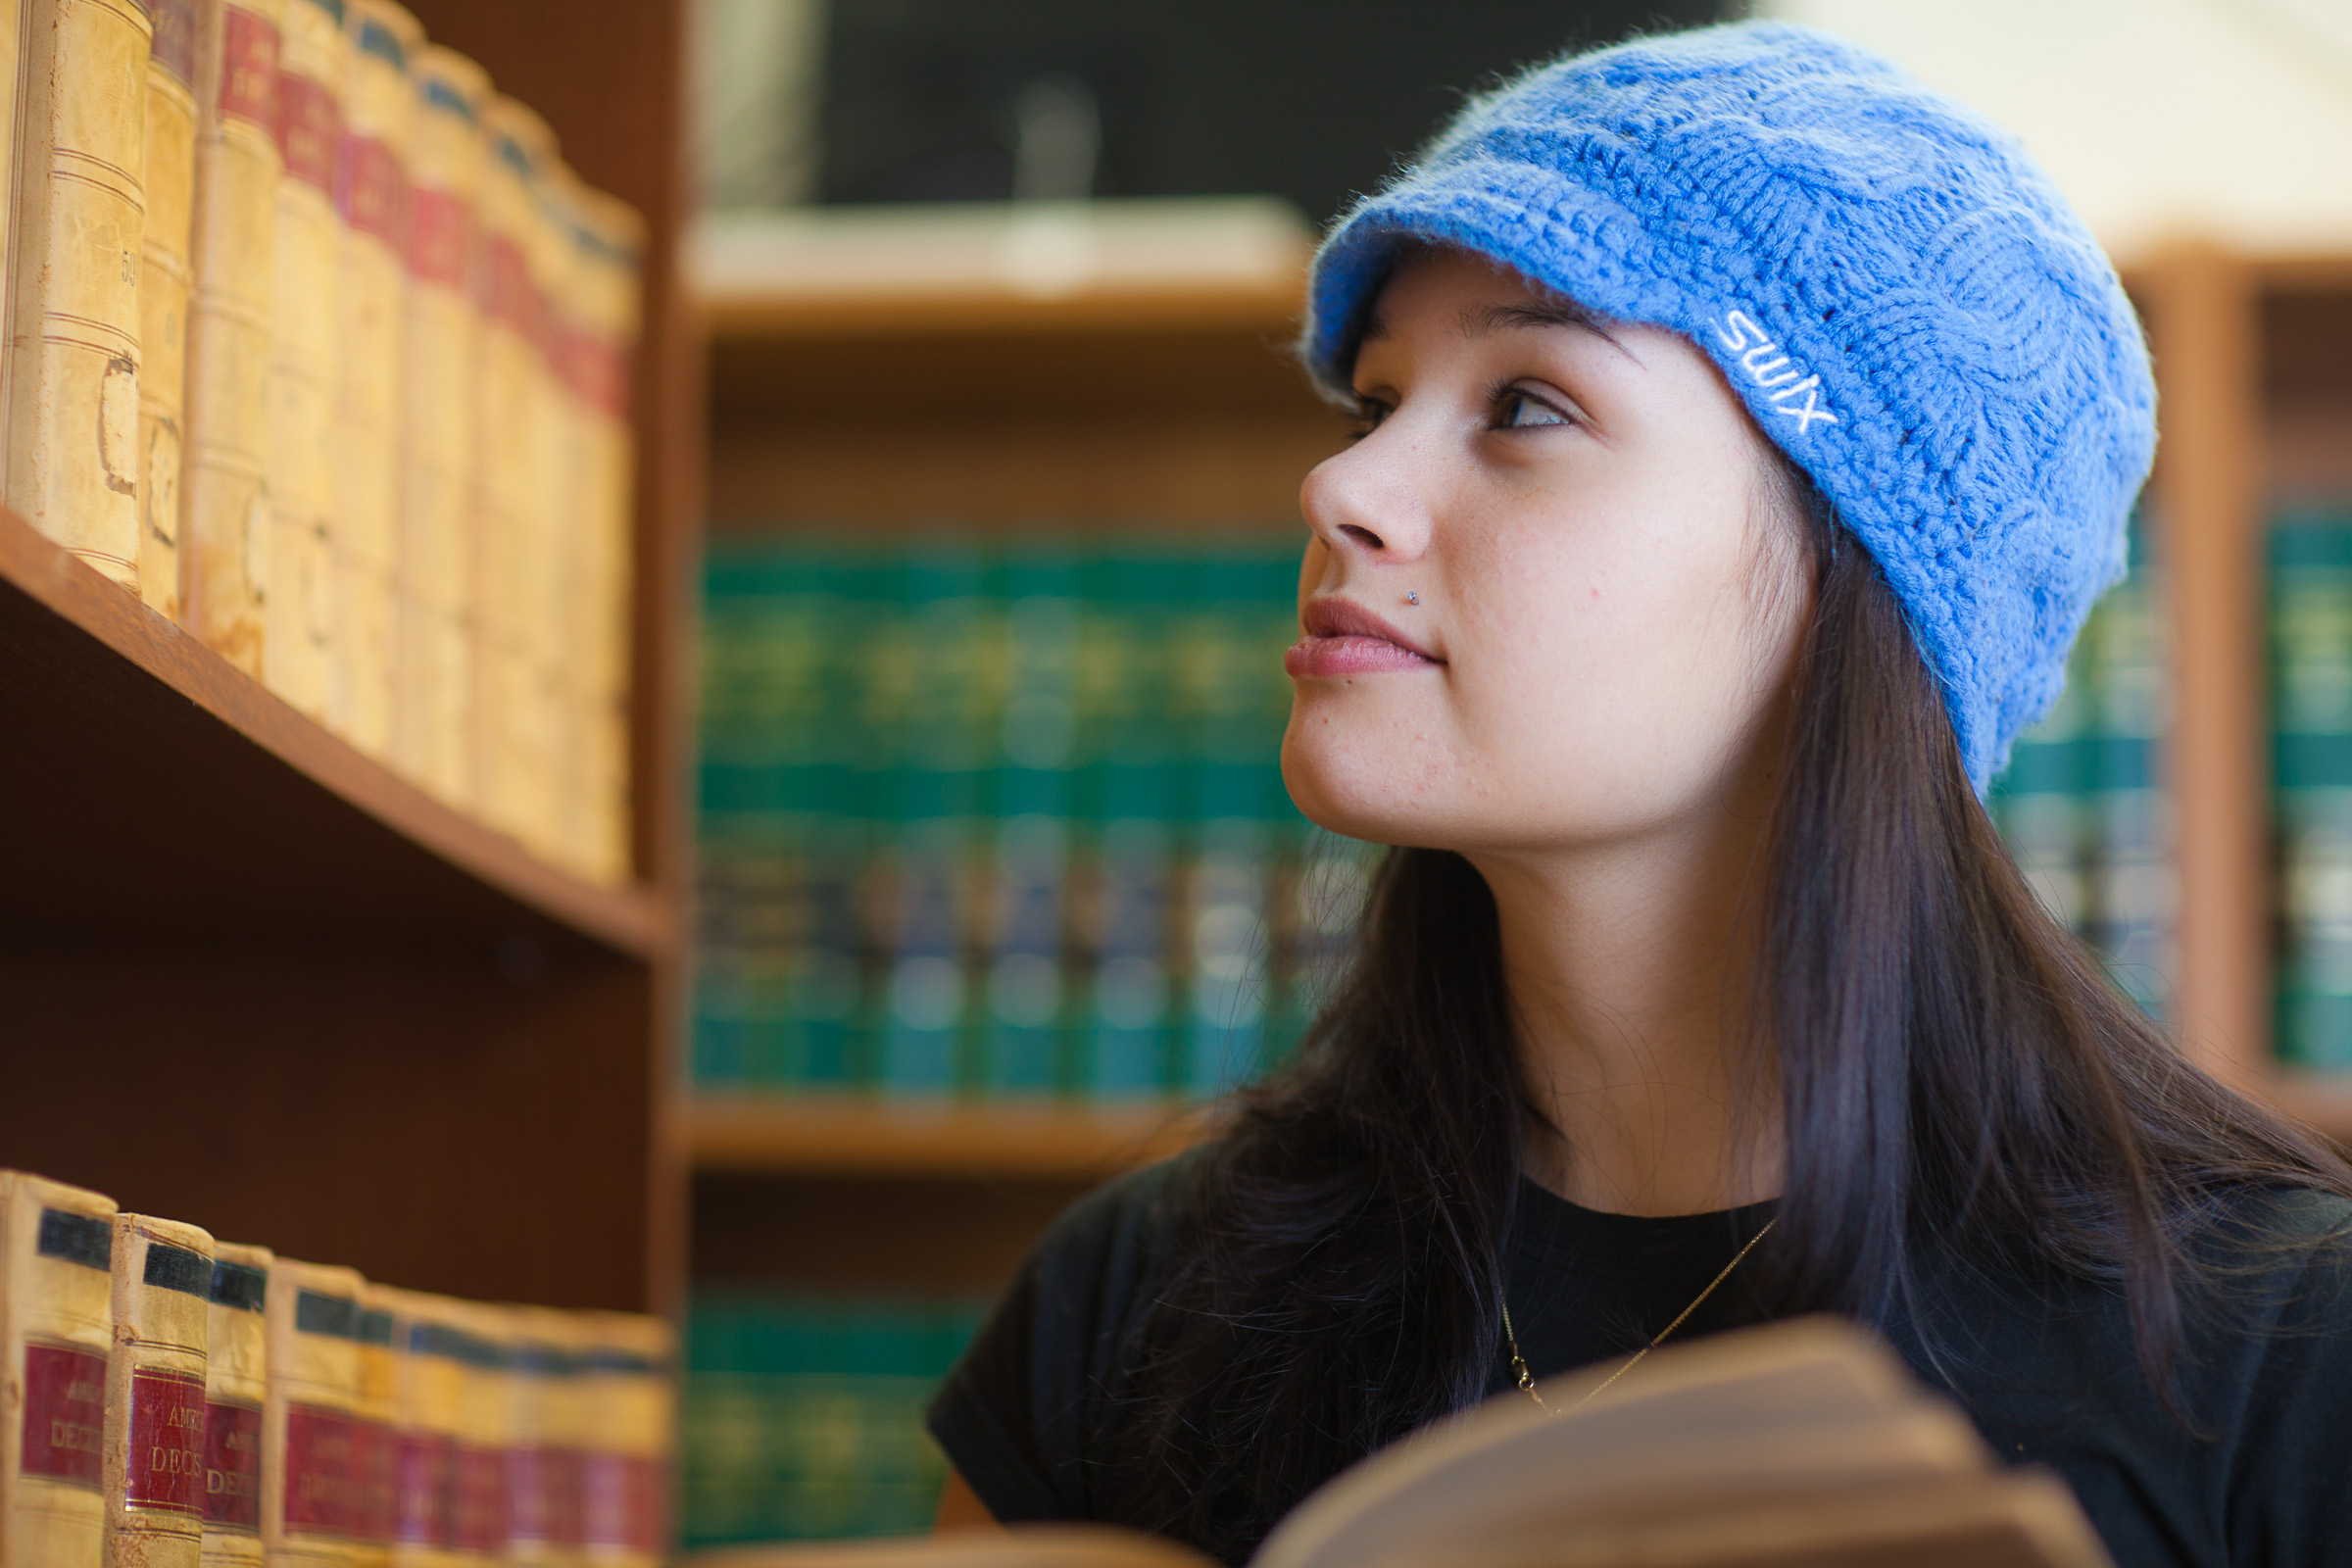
(1548, 602)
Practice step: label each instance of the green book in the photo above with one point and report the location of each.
(2132, 883)
(2042, 801)
(946, 738)
(1026, 1044)
(1126, 851)
(2311, 710)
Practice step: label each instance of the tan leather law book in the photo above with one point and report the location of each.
(305, 1420)
(433, 732)
(512, 507)
(485, 1428)
(548, 1435)
(166, 276)
(71, 388)
(629, 1377)
(236, 1381)
(371, 288)
(428, 1373)
(376, 1432)
(311, 66)
(559, 575)
(56, 1324)
(155, 1399)
(610, 241)
(1800, 1445)
(225, 505)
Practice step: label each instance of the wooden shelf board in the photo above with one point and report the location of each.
(849, 1135)
(2321, 1100)
(154, 786)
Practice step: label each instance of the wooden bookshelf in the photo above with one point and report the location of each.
(2254, 369)
(1151, 397)
(258, 982)
(842, 1135)
(122, 707)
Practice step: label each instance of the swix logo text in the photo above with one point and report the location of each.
(1785, 385)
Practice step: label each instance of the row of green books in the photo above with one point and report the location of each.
(802, 1416)
(2311, 720)
(2083, 803)
(1005, 818)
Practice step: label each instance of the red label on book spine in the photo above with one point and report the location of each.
(375, 1482)
(309, 123)
(249, 68)
(512, 300)
(600, 373)
(621, 1502)
(481, 1500)
(233, 1467)
(369, 188)
(175, 39)
(164, 1466)
(427, 1512)
(318, 1470)
(64, 1413)
(440, 234)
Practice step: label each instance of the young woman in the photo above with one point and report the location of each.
(1745, 434)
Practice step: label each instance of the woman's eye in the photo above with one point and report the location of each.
(1368, 415)
(1520, 412)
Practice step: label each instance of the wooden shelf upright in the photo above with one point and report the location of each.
(2254, 373)
(258, 982)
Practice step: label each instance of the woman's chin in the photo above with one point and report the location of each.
(1354, 797)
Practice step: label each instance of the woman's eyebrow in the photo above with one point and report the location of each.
(1479, 319)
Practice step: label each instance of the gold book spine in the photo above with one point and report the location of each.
(371, 277)
(73, 386)
(511, 503)
(374, 1434)
(155, 1394)
(225, 507)
(611, 241)
(561, 548)
(236, 1381)
(429, 1371)
(629, 1382)
(544, 1462)
(484, 1432)
(56, 1328)
(311, 70)
(433, 706)
(166, 277)
(306, 1419)
(12, 38)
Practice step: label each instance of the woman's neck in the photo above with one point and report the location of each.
(1629, 971)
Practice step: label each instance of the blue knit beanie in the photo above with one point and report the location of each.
(1907, 305)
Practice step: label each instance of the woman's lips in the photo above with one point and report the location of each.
(1343, 638)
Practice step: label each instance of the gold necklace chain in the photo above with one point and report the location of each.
(1526, 1382)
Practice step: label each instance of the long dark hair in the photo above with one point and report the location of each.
(1959, 1081)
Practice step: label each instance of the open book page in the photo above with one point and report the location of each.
(1810, 1404)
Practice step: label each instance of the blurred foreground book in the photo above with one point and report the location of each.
(1802, 1443)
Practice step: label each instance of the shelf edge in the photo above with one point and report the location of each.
(853, 1135)
(630, 920)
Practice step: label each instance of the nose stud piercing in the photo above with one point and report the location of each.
(1413, 599)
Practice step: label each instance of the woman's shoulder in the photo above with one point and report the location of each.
(1126, 1228)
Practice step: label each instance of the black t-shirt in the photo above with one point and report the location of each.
(2049, 1376)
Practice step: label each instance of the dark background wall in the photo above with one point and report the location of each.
(949, 100)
